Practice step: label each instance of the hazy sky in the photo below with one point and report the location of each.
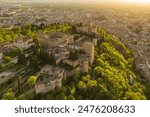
(91, 1)
(67, 0)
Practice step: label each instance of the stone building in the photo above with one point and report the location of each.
(88, 28)
(60, 54)
(61, 45)
(89, 49)
(54, 40)
(82, 62)
(23, 44)
(51, 77)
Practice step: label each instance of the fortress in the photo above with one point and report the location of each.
(72, 56)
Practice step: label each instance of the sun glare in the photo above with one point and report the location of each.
(139, 1)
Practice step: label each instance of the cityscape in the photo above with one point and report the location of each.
(74, 51)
